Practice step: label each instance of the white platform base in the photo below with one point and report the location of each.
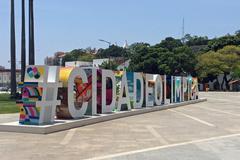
(61, 125)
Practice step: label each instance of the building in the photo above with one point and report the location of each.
(98, 62)
(234, 85)
(5, 77)
(78, 64)
(123, 66)
(56, 60)
(95, 63)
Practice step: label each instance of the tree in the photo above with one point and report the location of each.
(230, 50)
(132, 49)
(170, 43)
(144, 60)
(87, 57)
(73, 55)
(219, 43)
(237, 33)
(231, 58)
(112, 51)
(195, 40)
(209, 64)
(216, 63)
(79, 55)
(13, 52)
(160, 60)
(112, 65)
(186, 60)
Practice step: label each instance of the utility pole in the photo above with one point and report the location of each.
(23, 43)
(31, 34)
(13, 52)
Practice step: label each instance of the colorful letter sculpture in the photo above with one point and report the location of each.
(91, 91)
(39, 95)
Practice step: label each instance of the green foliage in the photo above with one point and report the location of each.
(7, 105)
(112, 65)
(144, 59)
(195, 40)
(219, 43)
(170, 43)
(236, 72)
(230, 50)
(86, 57)
(209, 64)
(112, 51)
(197, 55)
(79, 55)
(237, 33)
(186, 59)
(174, 59)
(133, 49)
(224, 61)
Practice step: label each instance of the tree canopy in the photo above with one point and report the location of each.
(79, 55)
(174, 59)
(112, 51)
(195, 55)
(225, 61)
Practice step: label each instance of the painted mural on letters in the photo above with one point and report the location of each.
(50, 92)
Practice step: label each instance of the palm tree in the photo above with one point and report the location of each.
(23, 48)
(31, 34)
(13, 52)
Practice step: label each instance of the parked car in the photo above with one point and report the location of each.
(4, 89)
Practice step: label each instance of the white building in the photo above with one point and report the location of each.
(78, 64)
(123, 66)
(5, 77)
(96, 63)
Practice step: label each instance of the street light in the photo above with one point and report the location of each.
(13, 50)
(31, 34)
(109, 44)
(102, 40)
(23, 43)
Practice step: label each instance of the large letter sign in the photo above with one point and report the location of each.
(76, 73)
(158, 91)
(108, 108)
(138, 90)
(124, 99)
(50, 93)
(39, 95)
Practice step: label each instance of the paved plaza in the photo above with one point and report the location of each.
(203, 131)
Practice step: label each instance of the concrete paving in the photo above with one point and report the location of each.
(209, 131)
(4, 118)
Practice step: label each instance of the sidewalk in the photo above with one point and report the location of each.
(208, 130)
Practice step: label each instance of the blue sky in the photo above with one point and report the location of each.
(63, 25)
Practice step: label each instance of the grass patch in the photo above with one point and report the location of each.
(7, 105)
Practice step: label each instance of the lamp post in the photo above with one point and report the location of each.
(23, 43)
(31, 34)
(102, 40)
(109, 44)
(13, 52)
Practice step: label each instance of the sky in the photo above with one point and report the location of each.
(64, 25)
